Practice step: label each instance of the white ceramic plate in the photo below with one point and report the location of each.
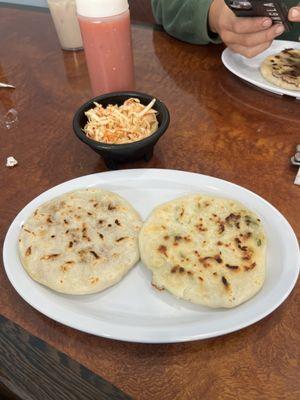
(133, 310)
(248, 68)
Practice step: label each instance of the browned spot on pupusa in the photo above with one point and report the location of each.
(94, 254)
(233, 267)
(94, 280)
(84, 232)
(174, 269)
(177, 239)
(28, 251)
(66, 266)
(28, 231)
(121, 238)
(205, 260)
(157, 287)
(249, 267)
(177, 268)
(225, 282)
(218, 259)
(201, 227)
(221, 227)
(245, 236)
(238, 242)
(111, 207)
(247, 252)
(117, 222)
(50, 257)
(163, 250)
(83, 255)
(233, 219)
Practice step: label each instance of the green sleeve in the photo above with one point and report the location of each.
(294, 34)
(185, 19)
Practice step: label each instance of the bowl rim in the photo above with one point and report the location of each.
(155, 135)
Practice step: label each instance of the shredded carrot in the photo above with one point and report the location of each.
(127, 123)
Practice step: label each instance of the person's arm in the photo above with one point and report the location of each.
(204, 21)
(294, 11)
(250, 36)
(186, 20)
(246, 36)
(294, 16)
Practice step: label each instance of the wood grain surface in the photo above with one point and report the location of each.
(30, 370)
(141, 11)
(219, 126)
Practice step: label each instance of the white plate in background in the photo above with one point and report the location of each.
(248, 69)
(133, 310)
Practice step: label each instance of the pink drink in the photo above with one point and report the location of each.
(108, 52)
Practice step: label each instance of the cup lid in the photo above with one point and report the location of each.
(101, 8)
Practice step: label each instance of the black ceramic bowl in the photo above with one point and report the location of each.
(113, 154)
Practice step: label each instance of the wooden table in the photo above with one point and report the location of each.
(219, 126)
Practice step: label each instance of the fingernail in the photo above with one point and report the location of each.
(295, 13)
(266, 23)
(279, 30)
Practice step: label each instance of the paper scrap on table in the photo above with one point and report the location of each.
(11, 162)
(297, 179)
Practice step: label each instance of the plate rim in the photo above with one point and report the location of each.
(266, 86)
(140, 338)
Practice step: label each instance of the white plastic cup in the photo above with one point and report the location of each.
(64, 16)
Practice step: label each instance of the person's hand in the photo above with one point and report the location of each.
(294, 14)
(247, 36)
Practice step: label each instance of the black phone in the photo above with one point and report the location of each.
(276, 10)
